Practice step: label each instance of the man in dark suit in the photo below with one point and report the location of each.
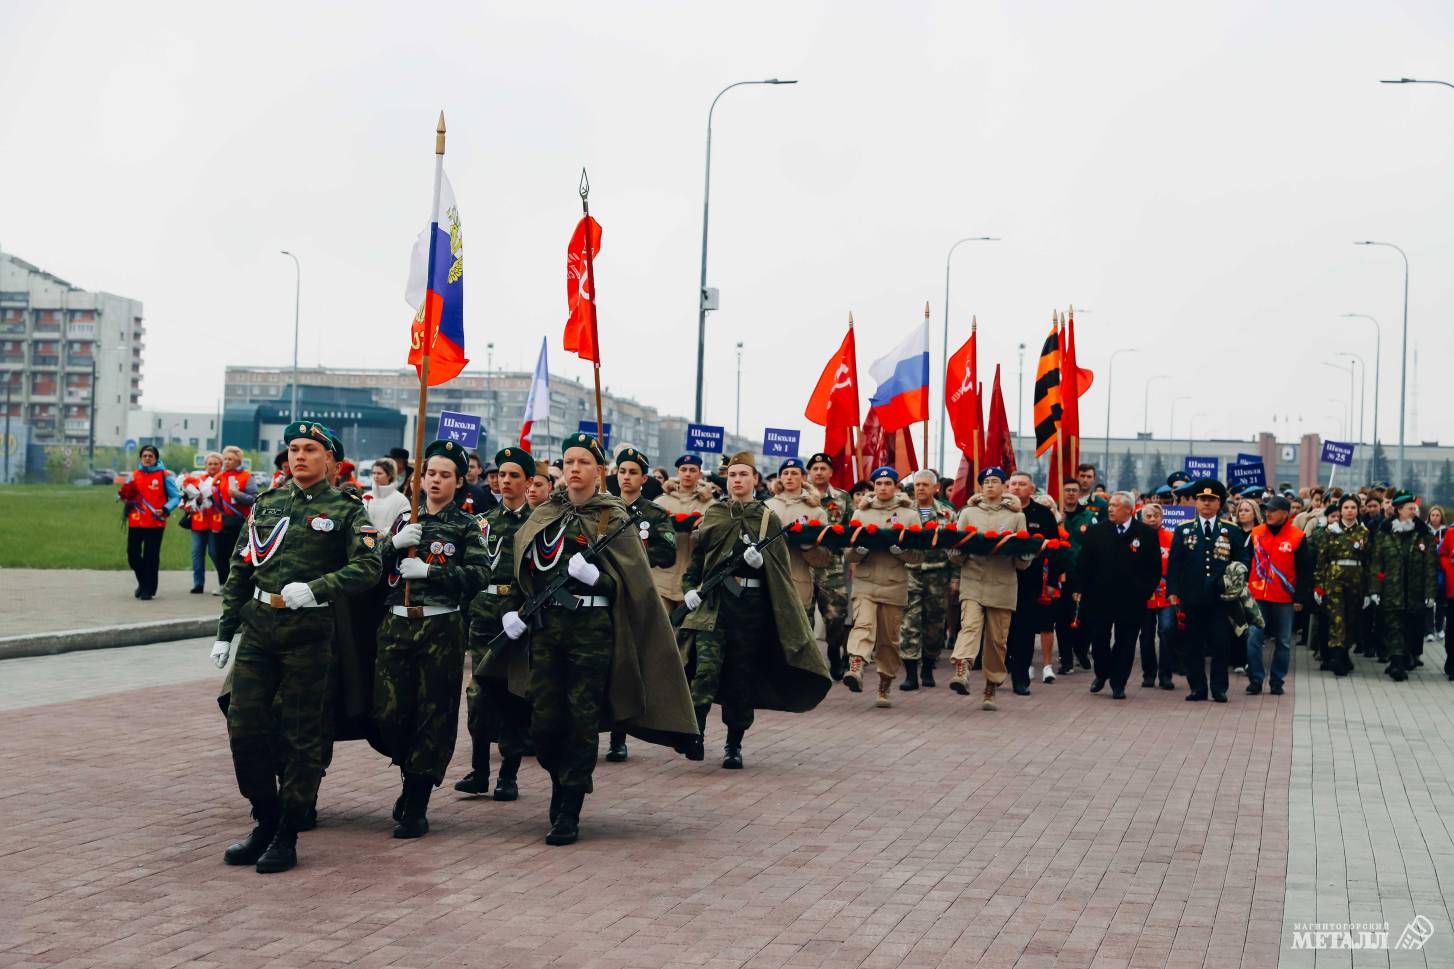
(1118, 568)
(1201, 550)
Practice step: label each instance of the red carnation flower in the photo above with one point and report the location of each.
(951, 527)
(931, 525)
(1064, 534)
(991, 534)
(872, 529)
(838, 529)
(916, 527)
(680, 516)
(795, 527)
(970, 529)
(854, 523)
(1022, 534)
(815, 523)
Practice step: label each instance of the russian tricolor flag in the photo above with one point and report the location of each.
(436, 291)
(902, 397)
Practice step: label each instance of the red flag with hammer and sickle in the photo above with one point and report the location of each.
(835, 399)
(580, 292)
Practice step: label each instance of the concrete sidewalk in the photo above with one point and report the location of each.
(58, 610)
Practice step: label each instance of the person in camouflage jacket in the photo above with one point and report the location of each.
(435, 565)
(830, 582)
(1405, 583)
(1340, 582)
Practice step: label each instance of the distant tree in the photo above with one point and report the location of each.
(1380, 471)
(1411, 481)
(1158, 472)
(1126, 474)
(1444, 487)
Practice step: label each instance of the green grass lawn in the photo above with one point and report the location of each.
(73, 527)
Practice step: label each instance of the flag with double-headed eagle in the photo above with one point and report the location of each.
(436, 292)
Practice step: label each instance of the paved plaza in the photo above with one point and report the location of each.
(1066, 830)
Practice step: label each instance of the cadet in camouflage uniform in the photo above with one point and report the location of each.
(684, 495)
(1340, 581)
(830, 582)
(435, 566)
(495, 712)
(1405, 583)
(657, 535)
(304, 545)
(926, 618)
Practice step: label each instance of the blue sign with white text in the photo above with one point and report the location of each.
(778, 442)
(1173, 515)
(462, 429)
(589, 427)
(705, 438)
(1202, 467)
(1248, 458)
(1337, 452)
(1247, 473)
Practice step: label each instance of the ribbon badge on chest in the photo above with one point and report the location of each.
(260, 550)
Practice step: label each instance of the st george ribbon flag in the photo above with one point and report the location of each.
(436, 291)
(902, 397)
(537, 405)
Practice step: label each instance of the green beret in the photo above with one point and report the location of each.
(337, 444)
(516, 455)
(313, 431)
(635, 456)
(582, 439)
(451, 450)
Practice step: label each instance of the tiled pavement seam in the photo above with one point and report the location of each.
(1066, 830)
(1372, 809)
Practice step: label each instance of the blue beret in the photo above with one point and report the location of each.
(884, 472)
(691, 459)
(1163, 490)
(992, 471)
(790, 463)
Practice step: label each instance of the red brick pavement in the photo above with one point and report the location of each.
(1066, 830)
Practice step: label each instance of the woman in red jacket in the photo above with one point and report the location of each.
(150, 495)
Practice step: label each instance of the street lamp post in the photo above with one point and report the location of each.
(1146, 414)
(1415, 80)
(1191, 431)
(1020, 404)
(1348, 406)
(738, 430)
(1171, 425)
(1377, 368)
(1403, 363)
(945, 395)
(297, 295)
(1110, 370)
(706, 208)
(1362, 390)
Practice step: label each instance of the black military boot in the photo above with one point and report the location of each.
(911, 675)
(566, 827)
(555, 796)
(415, 822)
(506, 789)
(617, 753)
(475, 783)
(696, 749)
(282, 852)
(398, 814)
(732, 750)
(926, 671)
(835, 662)
(1397, 670)
(250, 849)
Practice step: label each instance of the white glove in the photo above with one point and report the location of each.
(582, 571)
(191, 491)
(297, 595)
(895, 550)
(860, 550)
(693, 599)
(220, 650)
(752, 557)
(1428, 603)
(513, 625)
(408, 535)
(1317, 597)
(414, 569)
(1370, 599)
(1028, 558)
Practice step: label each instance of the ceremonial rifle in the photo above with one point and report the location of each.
(553, 592)
(722, 573)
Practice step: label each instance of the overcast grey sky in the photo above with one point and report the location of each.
(1193, 175)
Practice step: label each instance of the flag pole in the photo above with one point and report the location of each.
(856, 437)
(428, 343)
(595, 331)
(924, 463)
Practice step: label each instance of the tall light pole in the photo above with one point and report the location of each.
(1377, 368)
(1415, 80)
(738, 430)
(943, 423)
(1348, 406)
(706, 209)
(1110, 370)
(1146, 413)
(1020, 404)
(297, 295)
(1403, 363)
(1171, 424)
(1191, 431)
(1362, 390)
(490, 389)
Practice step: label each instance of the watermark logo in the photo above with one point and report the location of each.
(1360, 935)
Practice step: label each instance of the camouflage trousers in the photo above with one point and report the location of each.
(1403, 633)
(1342, 608)
(494, 715)
(417, 676)
(724, 658)
(279, 716)
(570, 659)
(926, 618)
(830, 597)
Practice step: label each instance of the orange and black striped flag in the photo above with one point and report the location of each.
(1047, 393)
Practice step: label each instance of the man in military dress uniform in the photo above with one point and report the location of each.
(494, 713)
(1201, 550)
(751, 647)
(682, 497)
(435, 565)
(830, 582)
(606, 656)
(926, 617)
(304, 545)
(657, 534)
